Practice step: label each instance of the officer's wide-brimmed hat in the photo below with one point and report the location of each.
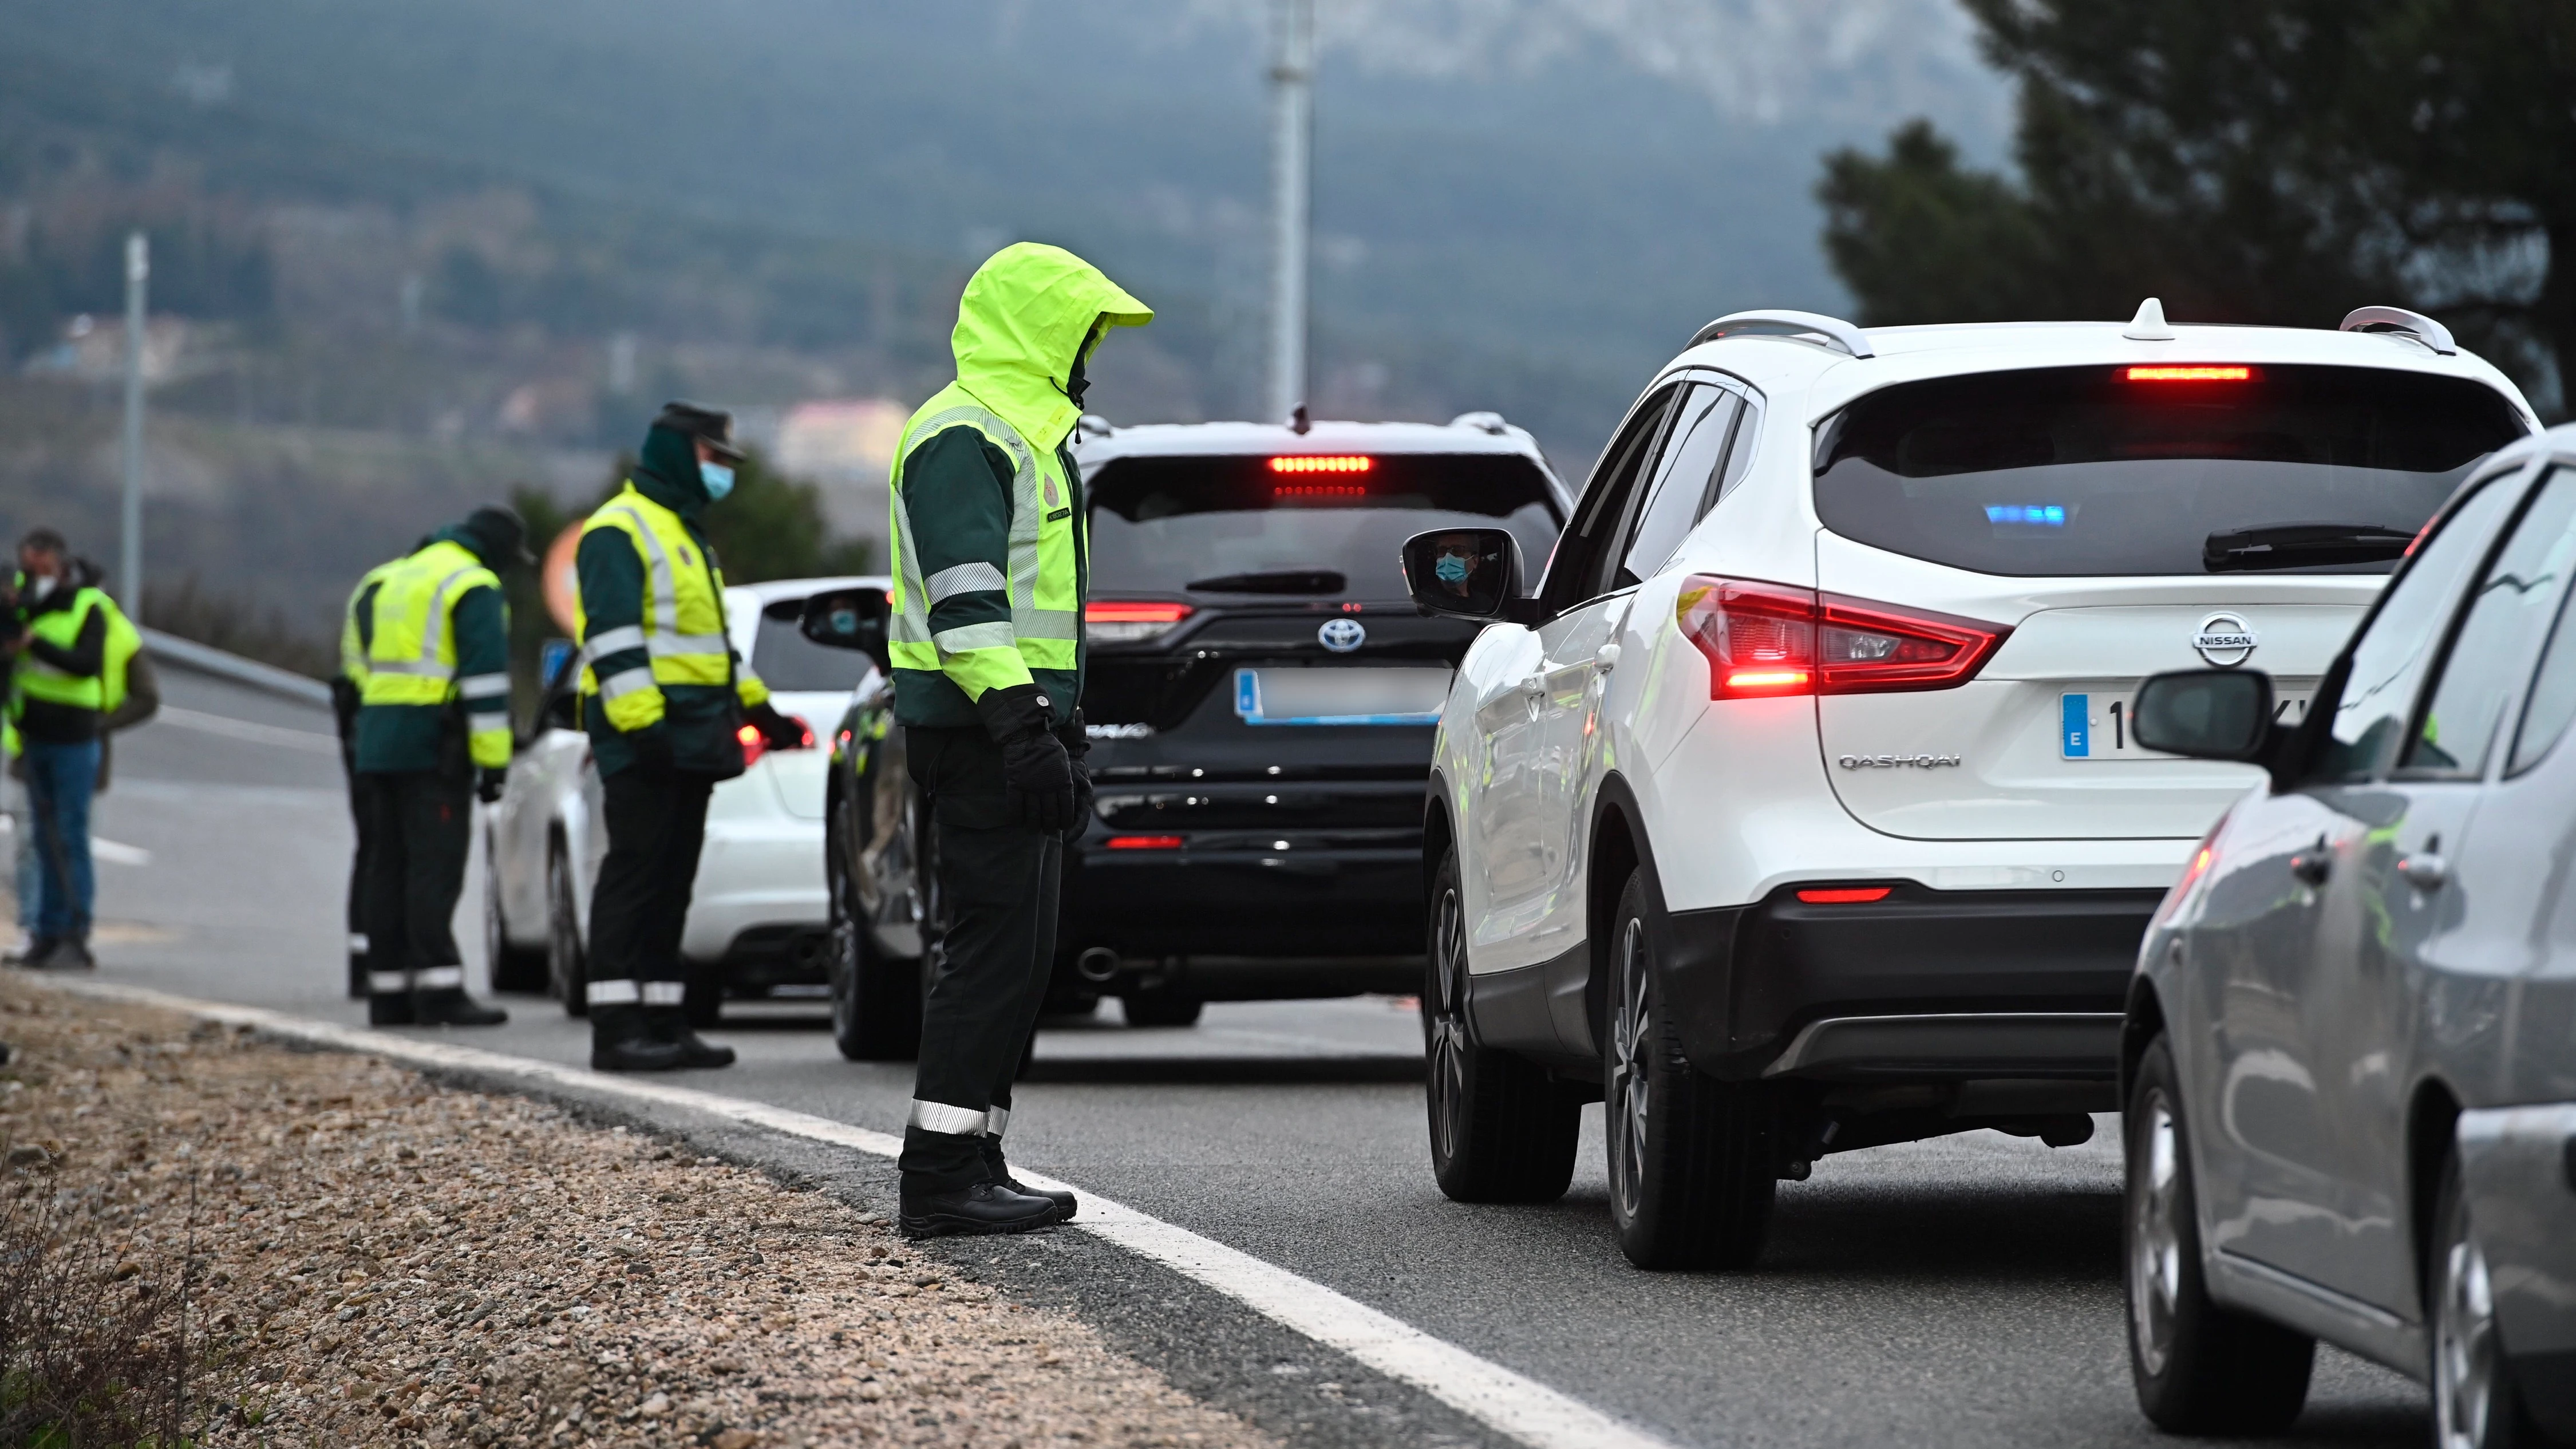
(708, 425)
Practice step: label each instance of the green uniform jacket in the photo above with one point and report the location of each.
(1029, 318)
(398, 737)
(699, 720)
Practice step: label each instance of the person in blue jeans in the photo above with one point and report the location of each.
(61, 667)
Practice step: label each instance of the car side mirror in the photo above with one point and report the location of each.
(1467, 573)
(2205, 714)
(848, 619)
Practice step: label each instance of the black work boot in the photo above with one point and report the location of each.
(620, 1042)
(671, 1024)
(450, 1006)
(69, 953)
(1000, 1172)
(987, 1207)
(389, 999)
(28, 951)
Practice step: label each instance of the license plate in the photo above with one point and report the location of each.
(2094, 725)
(1389, 696)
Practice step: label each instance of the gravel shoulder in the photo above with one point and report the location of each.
(372, 1257)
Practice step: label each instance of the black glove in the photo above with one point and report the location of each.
(652, 747)
(488, 785)
(1035, 768)
(1077, 751)
(776, 730)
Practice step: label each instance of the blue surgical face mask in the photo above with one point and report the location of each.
(1451, 569)
(717, 477)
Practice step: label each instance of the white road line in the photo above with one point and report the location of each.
(117, 852)
(1511, 1403)
(311, 741)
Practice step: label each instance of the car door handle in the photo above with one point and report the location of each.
(2425, 872)
(2313, 864)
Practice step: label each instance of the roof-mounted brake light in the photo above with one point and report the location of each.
(1322, 463)
(2192, 372)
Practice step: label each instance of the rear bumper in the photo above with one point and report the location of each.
(1925, 985)
(2518, 1169)
(755, 873)
(1330, 913)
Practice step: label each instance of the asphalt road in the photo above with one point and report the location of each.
(1963, 1291)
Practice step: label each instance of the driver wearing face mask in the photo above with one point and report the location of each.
(665, 698)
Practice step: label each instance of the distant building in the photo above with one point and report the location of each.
(846, 446)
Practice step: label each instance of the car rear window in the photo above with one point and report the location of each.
(785, 659)
(1237, 526)
(2186, 470)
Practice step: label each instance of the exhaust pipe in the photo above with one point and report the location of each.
(1096, 965)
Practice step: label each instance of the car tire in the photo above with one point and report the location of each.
(2199, 1368)
(512, 968)
(876, 1002)
(1500, 1130)
(1694, 1162)
(2476, 1403)
(567, 964)
(1160, 1007)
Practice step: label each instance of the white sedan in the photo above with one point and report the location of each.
(759, 917)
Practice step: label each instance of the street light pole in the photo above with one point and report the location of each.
(1292, 124)
(138, 273)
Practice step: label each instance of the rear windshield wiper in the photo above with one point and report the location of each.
(1275, 581)
(2302, 545)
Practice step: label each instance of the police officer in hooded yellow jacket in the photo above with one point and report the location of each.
(986, 642)
(665, 699)
(433, 733)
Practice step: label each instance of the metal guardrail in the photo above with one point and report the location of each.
(168, 648)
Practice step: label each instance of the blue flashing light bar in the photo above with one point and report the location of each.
(2040, 515)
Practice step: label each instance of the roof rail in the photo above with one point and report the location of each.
(1788, 324)
(2397, 319)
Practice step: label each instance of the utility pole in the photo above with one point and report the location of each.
(138, 273)
(1292, 127)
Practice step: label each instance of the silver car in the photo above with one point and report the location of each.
(2349, 1060)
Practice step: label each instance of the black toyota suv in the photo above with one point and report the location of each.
(1261, 696)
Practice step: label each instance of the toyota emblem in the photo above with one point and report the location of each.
(1341, 635)
(2224, 640)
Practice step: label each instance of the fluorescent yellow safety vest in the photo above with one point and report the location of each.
(1045, 631)
(353, 649)
(102, 691)
(411, 652)
(683, 629)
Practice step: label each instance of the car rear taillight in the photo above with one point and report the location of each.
(1143, 842)
(755, 745)
(1844, 895)
(1772, 639)
(1125, 621)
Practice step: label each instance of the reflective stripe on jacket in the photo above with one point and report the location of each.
(353, 643)
(416, 659)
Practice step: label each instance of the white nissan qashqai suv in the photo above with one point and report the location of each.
(1797, 811)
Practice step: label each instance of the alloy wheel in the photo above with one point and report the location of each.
(563, 937)
(1444, 1024)
(844, 967)
(2464, 1348)
(1625, 1097)
(2155, 1239)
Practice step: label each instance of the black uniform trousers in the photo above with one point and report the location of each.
(656, 824)
(424, 829)
(362, 815)
(998, 879)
